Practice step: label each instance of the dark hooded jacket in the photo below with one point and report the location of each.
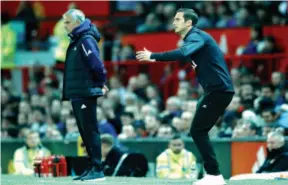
(84, 74)
(276, 161)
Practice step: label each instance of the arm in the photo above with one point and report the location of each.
(90, 53)
(19, 165)
(189, 48)
(162, 168)
(192, 171)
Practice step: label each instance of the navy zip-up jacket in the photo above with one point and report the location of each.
(206, 58)
(85, 74)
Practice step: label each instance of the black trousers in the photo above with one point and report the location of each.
(209, 108)
(85, 113)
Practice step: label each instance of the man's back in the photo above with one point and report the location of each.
(211, 69)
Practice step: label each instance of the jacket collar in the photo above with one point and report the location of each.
(80, 29)
(189, 32)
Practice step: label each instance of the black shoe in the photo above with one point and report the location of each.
(83, 174)
(94, 175)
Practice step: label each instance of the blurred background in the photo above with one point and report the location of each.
(147, 104)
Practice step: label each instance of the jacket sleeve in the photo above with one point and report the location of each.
(91, 58)
(192, 170)
(162, 167)
(19, 164)
(190, 47)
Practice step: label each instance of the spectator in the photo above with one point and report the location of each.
(141, 10)
(61, 38)
(23, 121)
(277, 158)
(267, 92)
(24, 106)
(169, 10)
(39, 123)
(117, 162)
(165, 131)
(262, 16)
(127, 52)
(107, 143)
(26, 14)
(142, 83)
(176, 162)
(225, 17)
(115, 83)
(152, 125)
(103, 125)
(278, 80)
(24, 156)
(152, 24)
(8, 42)
(268, 46)
(246, 129)
(230, 117)
(186, 118)
(72, 132)
(183, 94)
(173, 109)
(130, 99)
(115, 102)
(244, 18)
(279, 83)
(270, 117)
(235, 75)
(256, 40)
(128, 131)
(127, 118)
(53, 134)
(112, 109)
(190, 106)
(132, 84)
(35, 101)
(148, 110)
(247, 96)
(153, 97)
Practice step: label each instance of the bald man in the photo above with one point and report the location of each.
(277, 158)
(84, 81)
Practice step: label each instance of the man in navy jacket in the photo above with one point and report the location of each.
(206, 58)
(84, 81)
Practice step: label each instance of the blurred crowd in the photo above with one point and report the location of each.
(158, 16)
(138, 110)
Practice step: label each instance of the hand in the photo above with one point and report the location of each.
(105, 89)
(144, 55)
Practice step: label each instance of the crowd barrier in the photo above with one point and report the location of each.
(235, 156)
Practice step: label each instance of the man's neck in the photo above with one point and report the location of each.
(185, 32)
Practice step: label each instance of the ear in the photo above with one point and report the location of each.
(189, 22)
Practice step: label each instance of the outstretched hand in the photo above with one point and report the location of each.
(144, 55)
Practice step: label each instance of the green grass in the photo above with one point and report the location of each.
(23, 180)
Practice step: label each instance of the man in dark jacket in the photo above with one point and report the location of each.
(277, 158)
(206, 58)
(117, 162)
(84, 80)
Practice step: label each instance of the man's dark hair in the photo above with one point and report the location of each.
(107, 139)
(270, 86)
(270, 110)
(176, 136)
(189, 14)
(129, 114)
(30, 132)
